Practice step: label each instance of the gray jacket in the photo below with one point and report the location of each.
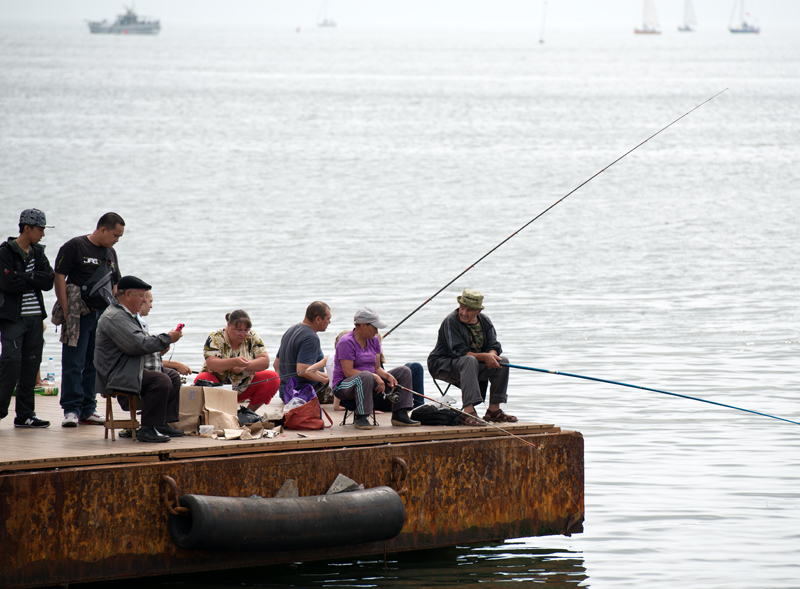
(119, 350)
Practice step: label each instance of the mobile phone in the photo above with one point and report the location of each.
(180, 327)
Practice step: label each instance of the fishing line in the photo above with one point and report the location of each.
(472, 415)
(316, 367)
(312, 368)
(581, 185)
(633, 386)
(505, 431)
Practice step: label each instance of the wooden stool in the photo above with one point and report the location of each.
(110, 423)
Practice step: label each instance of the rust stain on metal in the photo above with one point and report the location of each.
(106, 522)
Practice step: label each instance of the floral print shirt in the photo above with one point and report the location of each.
(218, 345)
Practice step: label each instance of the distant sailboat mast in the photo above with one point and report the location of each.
(742, 26)
(325, 21)
(689, 17)
(650, 24)
(544, 14)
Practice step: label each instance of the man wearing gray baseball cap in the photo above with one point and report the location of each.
(24, 273)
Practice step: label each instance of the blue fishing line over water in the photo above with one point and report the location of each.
(633, 386)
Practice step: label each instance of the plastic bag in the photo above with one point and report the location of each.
(290, 392)
(294, 403)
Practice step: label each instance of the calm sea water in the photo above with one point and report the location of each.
(266, 169)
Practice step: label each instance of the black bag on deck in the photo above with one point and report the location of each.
(98, 291)
(430, 415)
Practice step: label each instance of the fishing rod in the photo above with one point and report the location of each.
(633, 386)
(313, 368)
(581, 185)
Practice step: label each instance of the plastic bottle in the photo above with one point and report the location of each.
(51, 372)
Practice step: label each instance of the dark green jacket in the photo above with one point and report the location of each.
(454, 340)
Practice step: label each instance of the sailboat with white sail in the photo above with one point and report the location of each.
(689, 17)
(650, 24)
(325, 21)
(742, 25)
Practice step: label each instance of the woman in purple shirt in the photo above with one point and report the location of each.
(358, 374)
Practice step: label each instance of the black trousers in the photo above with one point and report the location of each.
(160, 397)
(173, 403)
(173, 397)
(20, 360)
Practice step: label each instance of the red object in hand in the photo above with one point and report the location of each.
(180, 327)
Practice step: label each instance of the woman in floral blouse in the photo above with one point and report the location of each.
(236, 355)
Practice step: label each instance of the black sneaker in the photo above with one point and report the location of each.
(170, 431)
(362, 422)
(401, 418)
(150, 434)
(32, 421)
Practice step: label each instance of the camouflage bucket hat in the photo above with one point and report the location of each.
(471, 298)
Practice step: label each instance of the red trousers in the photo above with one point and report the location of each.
(259, 392)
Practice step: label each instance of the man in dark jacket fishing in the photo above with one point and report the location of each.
(467, 354)
(24, 273)
(119, 352)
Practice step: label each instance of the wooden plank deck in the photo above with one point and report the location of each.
(59, 447)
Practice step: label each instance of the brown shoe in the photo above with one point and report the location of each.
(499, 417)
(470, 419)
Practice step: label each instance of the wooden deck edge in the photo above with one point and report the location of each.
(78, 461)
(223, 448)
(349, 442)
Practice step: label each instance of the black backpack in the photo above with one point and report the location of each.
(430, 415)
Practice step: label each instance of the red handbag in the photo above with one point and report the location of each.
(307, 416)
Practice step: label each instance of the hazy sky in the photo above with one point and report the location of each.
(387, 13)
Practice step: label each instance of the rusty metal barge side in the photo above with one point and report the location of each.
(95, 523)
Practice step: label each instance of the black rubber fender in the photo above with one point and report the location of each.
(291, 523)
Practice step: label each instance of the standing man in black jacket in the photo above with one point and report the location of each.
(467, 354)
(24, 273)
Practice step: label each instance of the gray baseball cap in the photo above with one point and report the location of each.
(33, 217)
(367, 315)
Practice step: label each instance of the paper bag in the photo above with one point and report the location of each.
(191, 408)
(220, 408)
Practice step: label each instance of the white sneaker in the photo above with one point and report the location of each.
(94, 419)
(70, 420)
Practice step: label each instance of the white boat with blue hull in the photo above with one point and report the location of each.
(127, 24)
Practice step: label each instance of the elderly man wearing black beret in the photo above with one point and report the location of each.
(120, 344)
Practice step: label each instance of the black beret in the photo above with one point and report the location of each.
(129, 282)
